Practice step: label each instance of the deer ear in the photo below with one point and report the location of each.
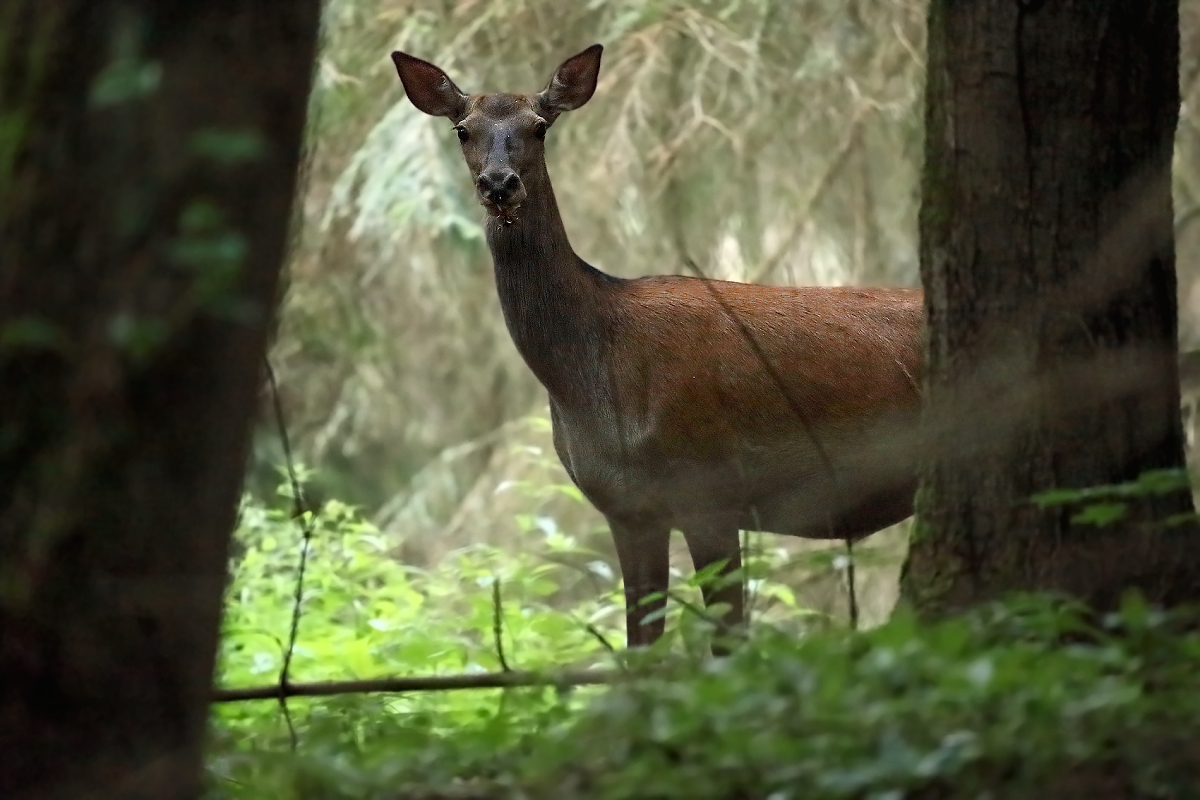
(429, 88)
(572, 85)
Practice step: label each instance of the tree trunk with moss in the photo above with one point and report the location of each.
(148, 156)
(1047, 256)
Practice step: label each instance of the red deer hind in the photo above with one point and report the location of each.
(681, 403)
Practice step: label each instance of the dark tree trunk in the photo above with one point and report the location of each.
(1048, 263)
(148, 153)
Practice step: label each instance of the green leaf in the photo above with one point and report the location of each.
(139, 337)
(32, 333)
(1100, 514)
(1057, 497)
(123, 80)
(229, 147)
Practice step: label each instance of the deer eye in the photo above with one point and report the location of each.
(539, 130)
(463, 135)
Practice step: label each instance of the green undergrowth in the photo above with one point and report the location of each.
(367, 615)
(992, 705)
(1032, 698)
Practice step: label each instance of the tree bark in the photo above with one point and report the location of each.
(1047, 256)
(148, 154)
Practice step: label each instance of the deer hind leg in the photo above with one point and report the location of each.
(710, 544)
(643, 551)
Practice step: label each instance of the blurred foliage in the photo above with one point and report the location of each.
(1033, 698)
(1104, 505)
(714, 124)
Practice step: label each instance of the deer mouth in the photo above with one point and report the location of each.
(505, 210)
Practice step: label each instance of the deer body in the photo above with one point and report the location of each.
(680, 403)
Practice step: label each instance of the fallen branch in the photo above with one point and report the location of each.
(433, 683)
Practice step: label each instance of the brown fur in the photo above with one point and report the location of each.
(706, 406)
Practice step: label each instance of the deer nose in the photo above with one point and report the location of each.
(498, 185)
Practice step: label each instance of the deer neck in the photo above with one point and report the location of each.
(552, 300)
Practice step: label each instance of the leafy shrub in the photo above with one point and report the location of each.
(999, 703)
(365, 615)
(1032, 698)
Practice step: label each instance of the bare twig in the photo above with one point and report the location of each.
(776, 378)
(498, 624)
(305, 520)
(851, 590)
(433, 683)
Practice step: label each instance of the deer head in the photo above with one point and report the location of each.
(502, 135)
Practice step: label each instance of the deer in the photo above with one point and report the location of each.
(683, 403)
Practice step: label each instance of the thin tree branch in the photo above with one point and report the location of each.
(498, 624)
(851, 590)
(305, 521)
(433, 683)
(760, 354)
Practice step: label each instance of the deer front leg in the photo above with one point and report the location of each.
(710, 544)
(643, 552)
